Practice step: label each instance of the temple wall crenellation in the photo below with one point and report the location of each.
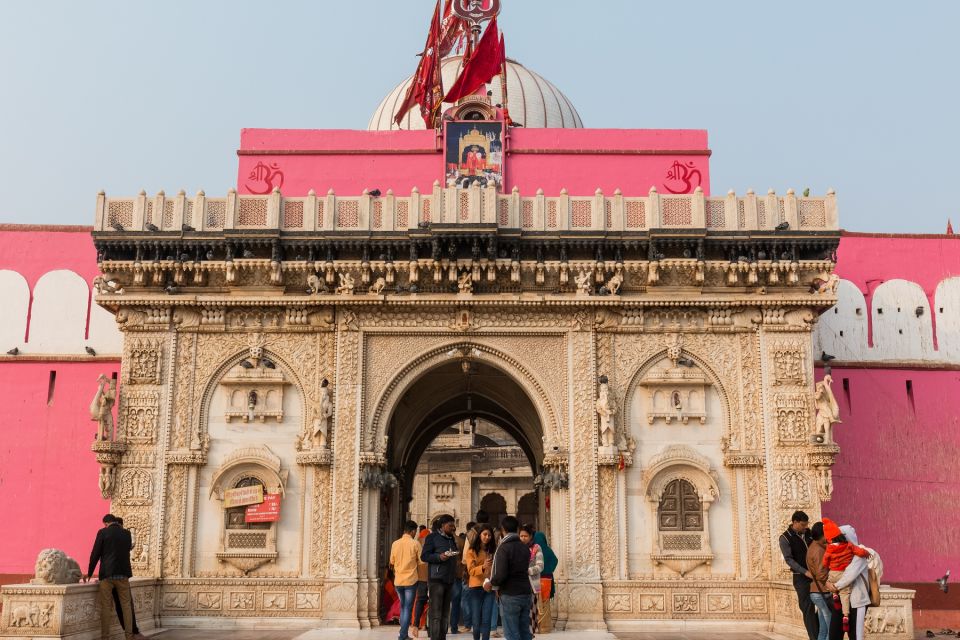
(471, 206)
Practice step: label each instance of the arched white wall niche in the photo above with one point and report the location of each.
(237, 450)
(678, 440)
(902, 328)
(16, 301)
(842, 329)
(58, 320)
(947, 311)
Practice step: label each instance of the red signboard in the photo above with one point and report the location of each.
(266, 511)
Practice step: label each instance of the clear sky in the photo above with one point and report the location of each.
(123, 95)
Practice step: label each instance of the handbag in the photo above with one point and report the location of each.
(873, 586)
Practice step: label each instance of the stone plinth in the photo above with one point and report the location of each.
(68, 611)
(892, 620)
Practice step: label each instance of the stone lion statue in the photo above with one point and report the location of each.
(55, 567)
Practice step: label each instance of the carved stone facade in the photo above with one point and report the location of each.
(703, 373)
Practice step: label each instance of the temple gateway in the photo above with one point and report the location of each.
(292, 348)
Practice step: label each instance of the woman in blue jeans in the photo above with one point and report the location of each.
(479, 560)
(822, 599)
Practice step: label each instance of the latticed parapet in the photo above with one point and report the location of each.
(466, 242)
(540, 213)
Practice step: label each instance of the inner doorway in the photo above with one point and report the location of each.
(472, 466)
(463, 435)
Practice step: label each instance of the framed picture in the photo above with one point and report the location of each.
(474, 153)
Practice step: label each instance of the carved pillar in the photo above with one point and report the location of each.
(788, 381)
(754, 440)
(585, 608)
(341, 597)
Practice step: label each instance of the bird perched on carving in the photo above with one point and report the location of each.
(187, 227)
(826, 357)
(152, 227)
(14, 352)
(806, 192)
(246, 364)
(423, 225)
(210, 255)
(90, 351)
(247, 253)
(269, 364)
(685, 362)
(374, 193)
(118, 226)
(783, 226)
(172, 289)
(942, 582)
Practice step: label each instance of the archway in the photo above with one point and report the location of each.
(496, 507)
(455, 391)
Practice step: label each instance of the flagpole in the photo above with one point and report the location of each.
(503, 78)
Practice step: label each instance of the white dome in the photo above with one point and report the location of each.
(533, 101)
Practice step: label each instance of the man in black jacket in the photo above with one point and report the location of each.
(510, 576)
(440, 553)
(112, 550)
(793, 547)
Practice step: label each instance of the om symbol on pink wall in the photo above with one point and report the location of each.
(682, 177)
(264, 178)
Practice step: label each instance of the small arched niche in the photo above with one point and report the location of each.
(249, 450)
(680, 486)
(248, 477)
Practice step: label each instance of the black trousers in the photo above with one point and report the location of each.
(133, 614)
(441, 595)
(809, 611)
(836, 624)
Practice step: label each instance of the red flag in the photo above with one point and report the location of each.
(949, 227)
(426, 89)
(484, 64)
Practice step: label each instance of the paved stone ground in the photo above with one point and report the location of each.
(390, 632)
(385, 633)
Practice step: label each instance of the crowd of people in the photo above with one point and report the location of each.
(477, 581)
(835, 578)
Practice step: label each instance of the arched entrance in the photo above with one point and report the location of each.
(461, 386)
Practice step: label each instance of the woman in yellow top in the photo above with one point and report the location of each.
(479, 560)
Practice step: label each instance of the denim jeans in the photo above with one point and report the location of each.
(482, 605)
(495, 619)
(516, 617)
(407, 596)
(466, 617)
(455, 605)
(824, 611)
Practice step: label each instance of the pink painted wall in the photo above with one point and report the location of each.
(897, 478)
(33, 250)
(48, 475)
(350, 161)
(869, 260)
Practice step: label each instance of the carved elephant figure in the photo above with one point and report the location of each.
(886, 620)
(25, 615)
